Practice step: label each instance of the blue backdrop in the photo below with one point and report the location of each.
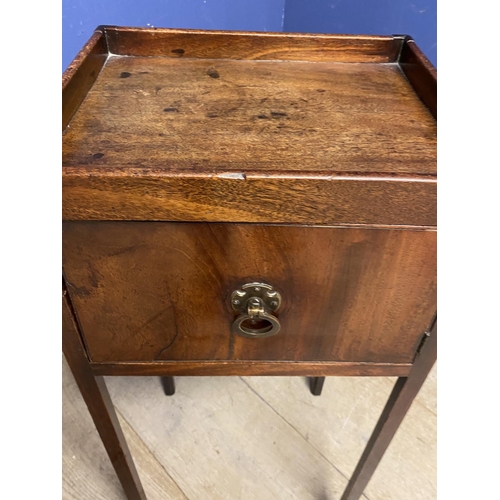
(372, 17)
(416, 17)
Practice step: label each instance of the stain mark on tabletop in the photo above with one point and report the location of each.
(213, 73)
(81, 291)
(179, 51)
(320, 90)
(263, 117)
(97, 156)
(143, 72)
(125, 74)
(171, 110)
(212, 115)
(278, 114)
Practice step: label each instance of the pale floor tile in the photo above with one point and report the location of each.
(87, 471)
(428, 394)
(339, 424)
(249, 438)
(220, 441)
(408, 469)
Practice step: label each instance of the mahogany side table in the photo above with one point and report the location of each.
(248, 204)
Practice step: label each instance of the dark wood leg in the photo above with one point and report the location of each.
(316, 385)
(400, 400)
(96, 396)
(168, 385)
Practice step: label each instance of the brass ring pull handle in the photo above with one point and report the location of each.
(256, 302)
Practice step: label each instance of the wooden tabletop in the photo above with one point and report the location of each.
(213, 126)
(224, 115)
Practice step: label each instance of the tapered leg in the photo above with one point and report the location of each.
(316, 385)
(96, 396)
(168, 385)
(400, 400)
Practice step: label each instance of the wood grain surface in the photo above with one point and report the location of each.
(147, 291)
(420, 73)
(81, 74)
(207, 44)
(246, 127)
(317, 130)
(226, 115)
(90, 194)
(98, 401)
(252, 368)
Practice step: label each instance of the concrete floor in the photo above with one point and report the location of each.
(249, 438)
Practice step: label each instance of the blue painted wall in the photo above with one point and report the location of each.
(81, 17)
(416, 18)
(372, 17)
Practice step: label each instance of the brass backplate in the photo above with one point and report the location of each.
(269, 296)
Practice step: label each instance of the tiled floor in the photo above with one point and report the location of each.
(249, 438)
